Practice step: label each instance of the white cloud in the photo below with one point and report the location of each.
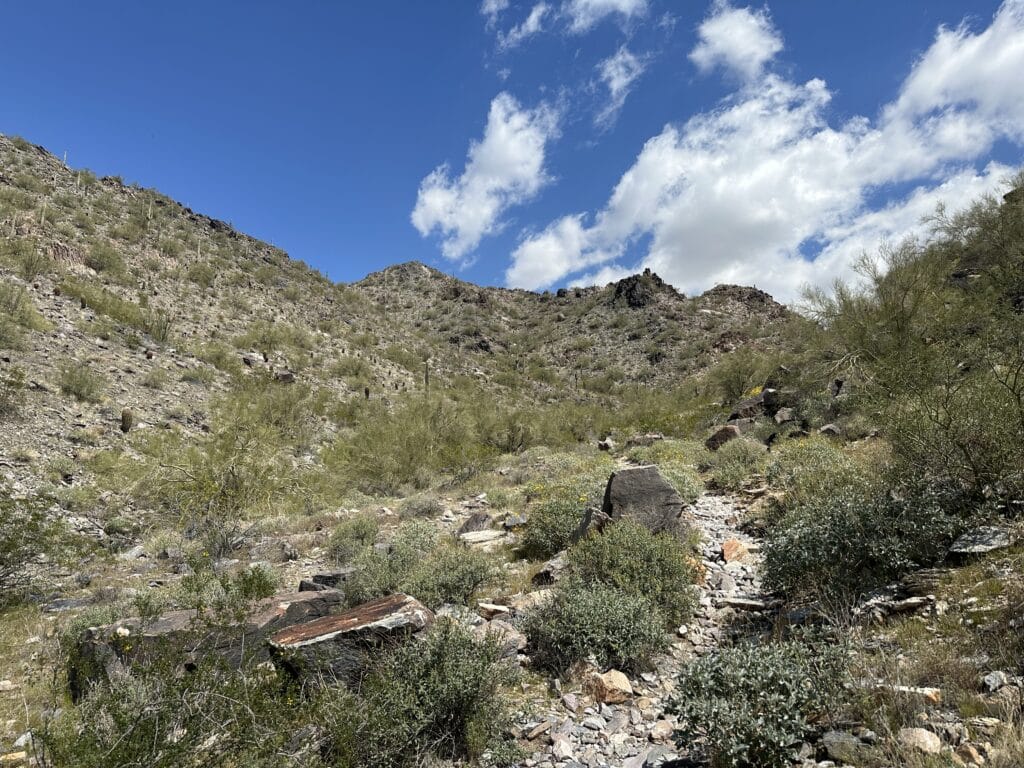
(618, 72)
(736, 194)
(738, 39)
(503, 169)
(530, 26)
(585, 14)
(491, 10)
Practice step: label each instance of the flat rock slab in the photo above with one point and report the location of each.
(339, 644)
(101, 650)
(486, 540)
(981, 541)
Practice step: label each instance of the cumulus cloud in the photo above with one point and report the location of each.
(529, 27)
(763, 190)
(618, 72)
(739, 39)
(585, 14)
(503, 169)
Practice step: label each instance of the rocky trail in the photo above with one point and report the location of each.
(612, 720)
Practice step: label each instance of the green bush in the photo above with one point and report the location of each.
(862, 535)
(551, 527)
(79, 380)
(735, 463)
(630, 558)
(12, 391)
(618, 629)
(808, 468)
(352, 536)
(424, 505)
(750, 704)
(441, 696)
(420, 563)
(27, 535)
(104, 258)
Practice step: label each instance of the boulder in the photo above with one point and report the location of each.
(734, 550)
(510, 639)
(765, 403)
(920, 740)
(606, 445)
(722, 436)
(478, 521)
(550, 572)
(613, 687)
(339, 645)
(327, 580)
(100, 651)
(844, 748)
(645, 440)
(980, 541)
(640, 494)
(830, 430)
(785, 415)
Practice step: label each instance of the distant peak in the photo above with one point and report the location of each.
(640, 290)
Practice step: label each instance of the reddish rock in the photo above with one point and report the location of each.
(734, 550)
(101, 650)
(339, 645)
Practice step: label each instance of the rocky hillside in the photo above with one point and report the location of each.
(157, 306)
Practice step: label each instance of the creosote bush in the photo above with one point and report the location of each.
(419, 562)
(735, 463)
(618, 629)
(352, 536)
(630, 558)
(79, 380)
(865, 533)
(750, 704)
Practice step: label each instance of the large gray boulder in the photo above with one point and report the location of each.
(101, 651)
(339, 645)
(643, 495)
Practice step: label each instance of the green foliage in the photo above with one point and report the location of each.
(810, 468)
(12, 391)
(618, 629)
(155, 322)
(735, 463)
(79, 380)
(633, 560)
(17, 313)
(102, 257)
(552, 524)
(751, 703)
(350, 537)
(440, 696)
(27, 535)
(860, 535)
(420, 563)
(422, 505)
(739, 372)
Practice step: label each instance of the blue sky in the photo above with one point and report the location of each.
(537, 144)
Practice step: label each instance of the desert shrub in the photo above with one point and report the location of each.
(157, 378)
(750, 704)
(739, 373)
(424, 505)
(452, 573)
(352, 536)
(630, 558)
(861, 535)
(17, 313)
(806, 469)
(79, 380)
(27, 535)
(440, 696)
(552, 525)
(420, 563)
(12, 391)
(102, 257)
(735, 462)
(202, 274)
(616, 628)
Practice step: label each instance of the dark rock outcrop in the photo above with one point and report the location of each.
(100, 651)
(340, 645)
